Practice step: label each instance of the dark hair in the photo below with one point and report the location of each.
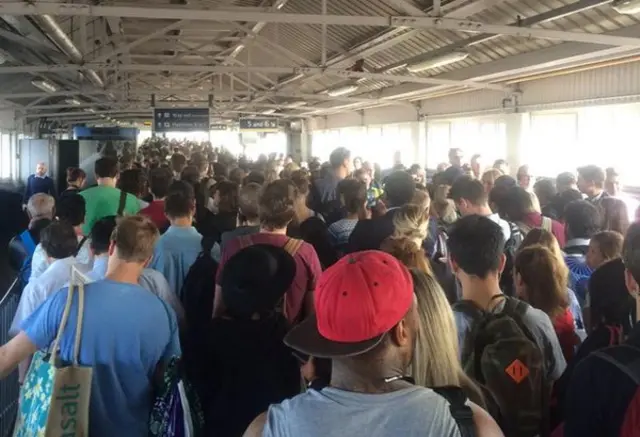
(59, 240)
(248, 201)
(593, 174)
(563, 199)
(237, 175)
(476, 244)
(276, 204)
(468, 188)
(178, 204)
(199, 160)
(132, 181)
(505, 181)
(353, 194)
(609, 244)
(160, 180)
(300, 179)
(339, 156)
(500, 162)
(545, 277)
(101, 234)
(220, 169)
(610, 301)
(518, 203)
(74, 174)
(255, 177)
(228, 192)
(190, 174)
(566, 179)
(182, 187)
(545, 189)
(582, 219)
(106, 167)
(615, 215)
(399, 187)
(611, 172)
(178, 162)
(71, 209)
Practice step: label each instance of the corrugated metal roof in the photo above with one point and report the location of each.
(304, 41)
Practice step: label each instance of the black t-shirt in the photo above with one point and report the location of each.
(249, 368)
(598, 396)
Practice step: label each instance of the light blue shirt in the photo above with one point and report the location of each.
(176, 251)
(126, 333)
(56, 276)
(150, 280)
(39, 261)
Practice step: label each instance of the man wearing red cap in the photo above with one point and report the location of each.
(366, 321)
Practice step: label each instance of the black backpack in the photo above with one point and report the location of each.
(502, 355)
(197, 299)
(511, 247)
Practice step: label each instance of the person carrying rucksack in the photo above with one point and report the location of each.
(603, 397)
(507, 346)
(470, 198)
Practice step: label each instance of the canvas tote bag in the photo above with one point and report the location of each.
(54, 399)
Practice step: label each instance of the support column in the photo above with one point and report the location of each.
(305, 142)
(415, 141)
(516, 130)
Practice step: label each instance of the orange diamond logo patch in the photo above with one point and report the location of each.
(517, 371)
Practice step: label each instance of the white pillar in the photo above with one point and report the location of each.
(517, 126)
(305, 141)
(415, 142)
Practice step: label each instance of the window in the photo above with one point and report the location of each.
(5, 156)
(551, 144)
(438, 143)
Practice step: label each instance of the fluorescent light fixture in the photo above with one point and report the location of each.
(397, 67)
(348, 89)
(627, 6)
(269, 111)
(438, 61)
(75, 102)
(279, 4)
(44, 85)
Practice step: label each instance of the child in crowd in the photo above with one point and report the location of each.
(604, 247)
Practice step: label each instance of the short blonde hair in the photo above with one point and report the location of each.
(135, 238)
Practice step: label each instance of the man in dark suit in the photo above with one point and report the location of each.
(369, 234)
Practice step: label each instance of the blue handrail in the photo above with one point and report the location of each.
(9, 387)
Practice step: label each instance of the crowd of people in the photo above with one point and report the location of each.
(337, 298)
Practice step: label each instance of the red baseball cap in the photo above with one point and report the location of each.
(357, 301)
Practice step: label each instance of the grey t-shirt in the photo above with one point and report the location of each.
(411, 412)
(541, 328)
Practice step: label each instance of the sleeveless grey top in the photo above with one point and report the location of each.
(412, 412)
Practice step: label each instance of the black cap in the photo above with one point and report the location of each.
(255, 279)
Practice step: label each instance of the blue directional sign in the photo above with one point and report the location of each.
(181, 119)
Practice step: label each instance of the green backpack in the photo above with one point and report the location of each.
(502, 355)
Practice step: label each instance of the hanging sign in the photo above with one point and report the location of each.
(181, 119)
(259, 125)
(218, 126)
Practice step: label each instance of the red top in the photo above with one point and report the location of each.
(308, 268)
(155, 211)
(566, 332)
(534, 220)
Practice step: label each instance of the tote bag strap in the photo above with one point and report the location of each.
(65, 319)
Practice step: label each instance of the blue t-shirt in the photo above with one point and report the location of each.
(126, 332)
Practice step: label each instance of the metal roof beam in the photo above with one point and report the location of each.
(470, 26)
(347, 74)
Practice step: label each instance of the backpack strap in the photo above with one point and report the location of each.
(122, 203)
(244, 241)
(625, 357)
(547, 224)
(460, 411)
(292, 246)
(84, 240)
(524, 228)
